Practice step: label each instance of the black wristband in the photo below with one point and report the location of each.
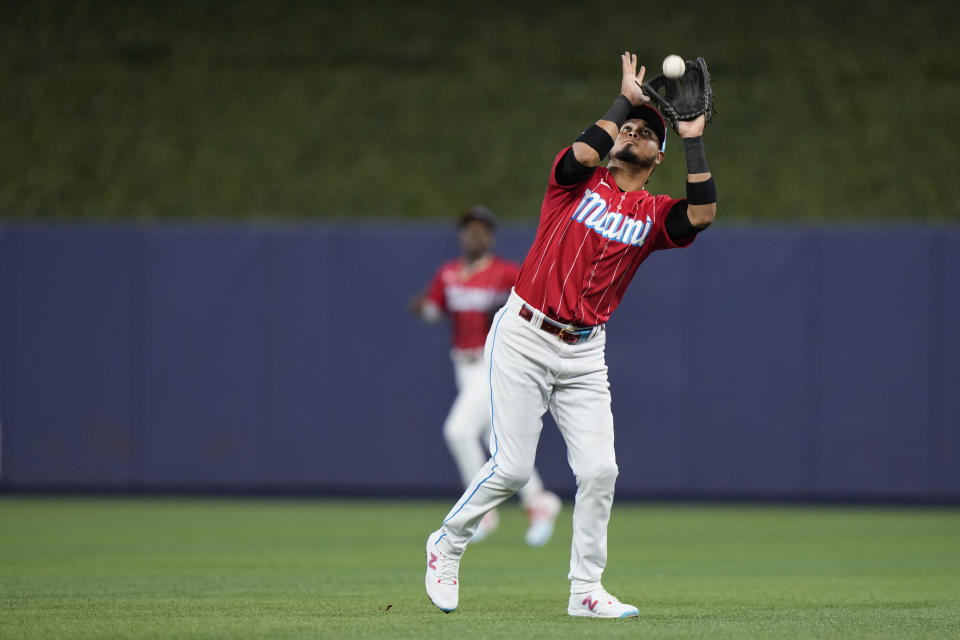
(618, 111)
(696, 158)
(598, 139)
(702, 192)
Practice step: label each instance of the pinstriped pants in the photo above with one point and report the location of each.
(532, 371)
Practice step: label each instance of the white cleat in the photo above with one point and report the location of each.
(442, 579)
(542, 512)
(599, 604)
(487, 525)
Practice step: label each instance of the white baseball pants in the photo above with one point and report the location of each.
(531, 371)
(467, 427)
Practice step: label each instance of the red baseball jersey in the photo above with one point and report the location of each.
(591, 238)
(472, 297)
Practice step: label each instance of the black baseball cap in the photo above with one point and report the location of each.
(653, 118)
(480, 213)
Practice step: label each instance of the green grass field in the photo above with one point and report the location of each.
(232, 568)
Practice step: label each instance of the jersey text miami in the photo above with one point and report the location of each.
(591, 238)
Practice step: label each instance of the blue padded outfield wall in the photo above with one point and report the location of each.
(781, 363)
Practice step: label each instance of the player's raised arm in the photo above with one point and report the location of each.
(701, 191)
(593, 145)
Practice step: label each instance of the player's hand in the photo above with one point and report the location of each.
(631, 81)
(692, 128)
(416, 304)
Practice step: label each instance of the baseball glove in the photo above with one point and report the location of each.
(683, 98)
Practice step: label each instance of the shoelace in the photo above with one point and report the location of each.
(446, 569)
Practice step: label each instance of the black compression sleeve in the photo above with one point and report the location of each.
(678, 224)
(570, 171)
(696, 158)
(618, 111)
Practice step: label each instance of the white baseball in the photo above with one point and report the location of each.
(673, 66)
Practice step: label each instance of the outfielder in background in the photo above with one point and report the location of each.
(469, 290)
(546, 346)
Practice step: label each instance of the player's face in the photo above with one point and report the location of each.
(476, 239)
(637, 144)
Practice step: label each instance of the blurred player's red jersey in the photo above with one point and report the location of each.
(471, 296)
(591, 239)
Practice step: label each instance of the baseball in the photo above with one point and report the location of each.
(673, 66)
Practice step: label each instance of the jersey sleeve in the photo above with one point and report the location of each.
(663, 239)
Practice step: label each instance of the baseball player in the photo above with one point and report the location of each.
(469, 290)
(546, 346)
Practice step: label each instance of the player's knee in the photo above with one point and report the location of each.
(513, 476)
(600, 473)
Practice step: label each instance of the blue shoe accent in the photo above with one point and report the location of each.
(630, 614)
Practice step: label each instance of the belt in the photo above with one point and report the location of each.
(562, 331)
